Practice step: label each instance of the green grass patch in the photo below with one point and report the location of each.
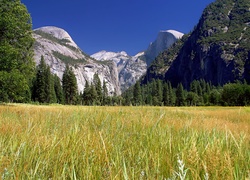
(76, 142)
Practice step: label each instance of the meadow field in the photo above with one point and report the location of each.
(77, 142)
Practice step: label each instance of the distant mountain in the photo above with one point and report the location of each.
(217, 50)
(164, 40)
(119, 70)
(59, 49)
(130, 68)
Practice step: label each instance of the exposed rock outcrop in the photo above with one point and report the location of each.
(59, 49)
(164, 40)
(130, 68)
(216, 51)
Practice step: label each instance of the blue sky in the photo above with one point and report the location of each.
(116, 25)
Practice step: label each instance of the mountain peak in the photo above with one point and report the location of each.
(105, 55)
(164, 40)
(58, 33)
(175, 33)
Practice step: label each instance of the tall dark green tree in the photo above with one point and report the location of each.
(137, 94)
(43, 86)
(86, 96)
(104, 93)
(172, 96)
(40, 84)
(159, 92)
(58, 90)
(93, 95)
(50, 88)
(69, 85)
(98, 86)
(180, 97)
(16, 51)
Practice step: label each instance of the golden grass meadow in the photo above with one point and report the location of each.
(77, 142)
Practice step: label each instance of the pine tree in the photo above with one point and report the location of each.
(16, 63)
(39, 90)
(58, 90)
(172, 95)
(104, 92)
(166, 95)
(137, 94)
(43, 86)
(86, 94)
(180, 98)
(128, 97)
(159, 92)
(93, 95)
(69, 84)
(49, 88)
(98, 86)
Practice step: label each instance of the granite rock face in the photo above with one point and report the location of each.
(130, 68)
(58, 49)
(118, 69)
(217, 50)
(164, 40)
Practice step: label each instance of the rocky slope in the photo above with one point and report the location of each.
(217, 50)
(132, 68)
(164, 40)
(58, 48)
(119, 70)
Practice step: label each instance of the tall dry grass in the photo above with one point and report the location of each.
(70, 142)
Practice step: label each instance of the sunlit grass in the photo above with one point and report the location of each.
(71, 142)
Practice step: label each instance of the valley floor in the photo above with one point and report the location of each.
(77, 142)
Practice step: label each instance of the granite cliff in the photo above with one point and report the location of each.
(217, 50)
(132, 68)
(58, 49)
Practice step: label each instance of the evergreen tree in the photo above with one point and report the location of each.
(40, 84)
(192, 99)
(166, 95)
(137, 94)
(193, 87)
(43, 86)
(159, 92)
(49, 88)
(16, 63)
(86, 94)
(214, 97)
(93, 94)
(180, 98)
(128, 97)
(172, 96)
(58, 90)
(69, 85)
(148, 94)
(98, 86)
(104, 92)
(155, 101)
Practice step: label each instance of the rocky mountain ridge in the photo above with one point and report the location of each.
(132, 68)
(217, 50)
(58, 48)
(119, 70)
(164, 40)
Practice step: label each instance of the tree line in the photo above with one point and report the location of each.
(47, 88)
(200, 93)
